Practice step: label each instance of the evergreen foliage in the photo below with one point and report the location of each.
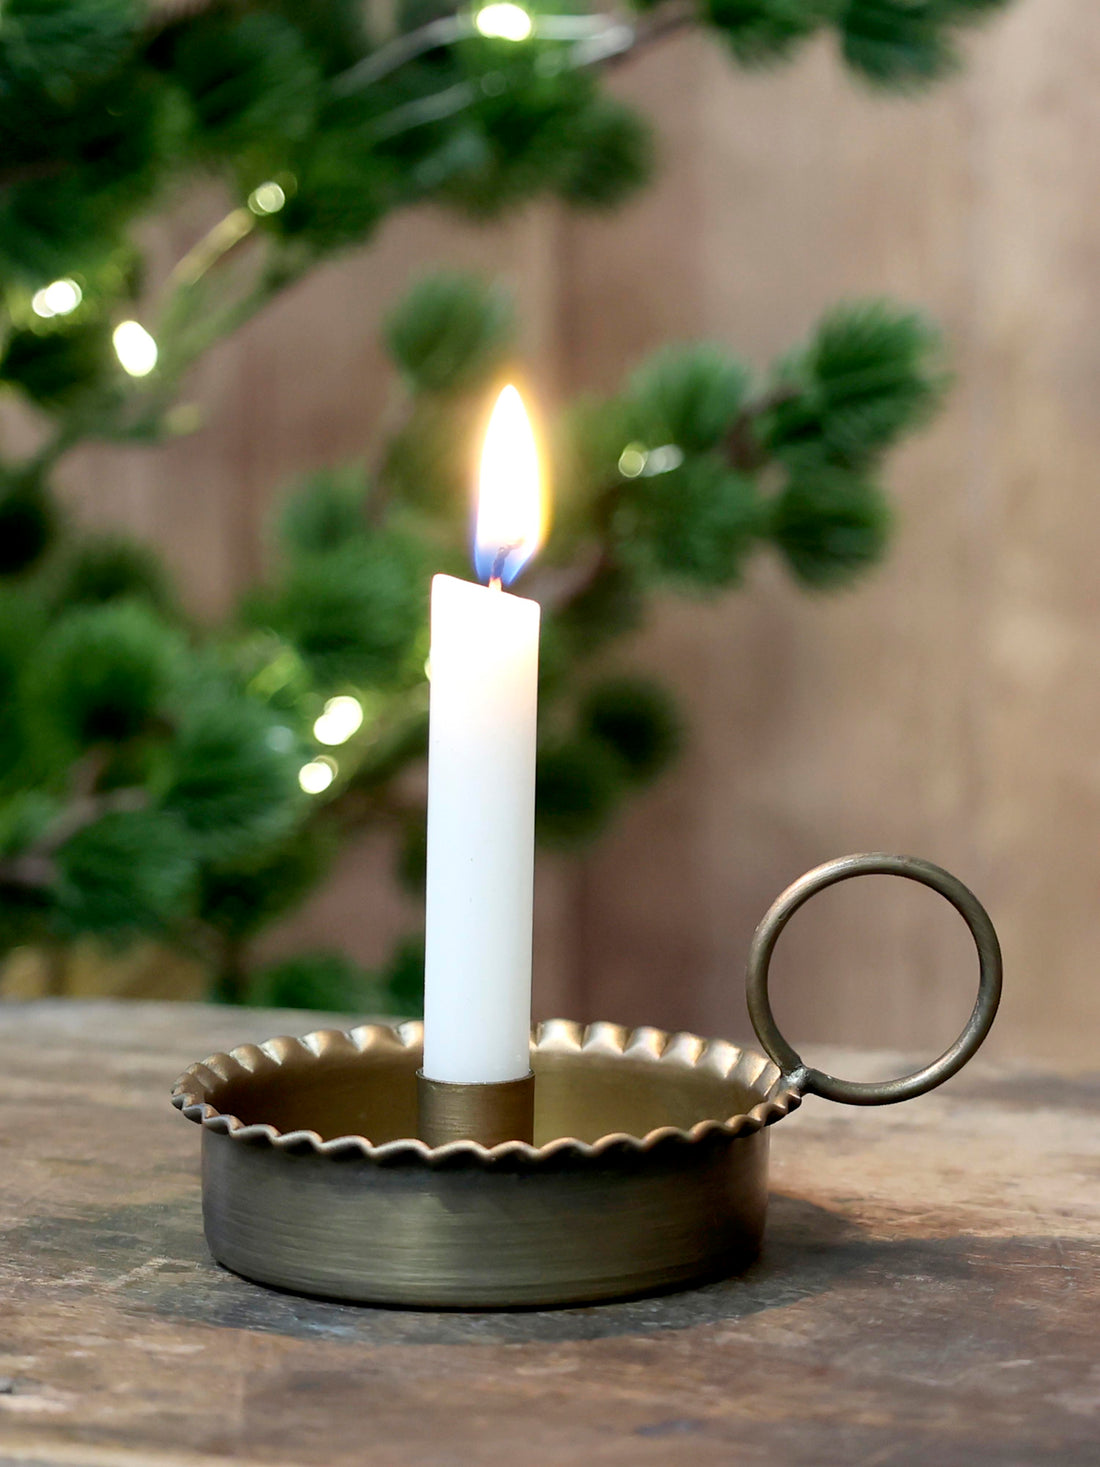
(230, 783)
(101, 675)
(128, 872)
(637, 721)
(687, 397)
(106, 567)
(352, 613)
(693, 525)
(318, 980)
(870, 373)
(577, 785)
(28, 522)
(149, 769)
(450, 332)
(325, 512)
(829, 525)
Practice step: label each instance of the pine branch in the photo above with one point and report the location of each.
(35, 868)
(743, 448)
(390, 57)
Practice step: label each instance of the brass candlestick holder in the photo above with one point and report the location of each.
(647, 1170)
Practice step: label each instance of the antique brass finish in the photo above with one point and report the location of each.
(488, 1114)
(649, 1172)
(647, 1169)
(884, 1092)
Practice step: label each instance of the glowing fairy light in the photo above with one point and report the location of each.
(637, 461)
(632, 460)
(135, 348)
(316, 776)
(504, 21)
(57, 299)
(267, 198)
(342, 717)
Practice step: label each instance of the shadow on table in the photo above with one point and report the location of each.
(153, 1260)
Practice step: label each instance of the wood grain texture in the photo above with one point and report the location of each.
(948, 707)
(927, 1295)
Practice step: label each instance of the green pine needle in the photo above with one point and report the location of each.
(28, 522)
(607, 155)
(128, 872)
(871, 373)
(108, 567)
(762, 32)
(830, 527)
(102, 675)
(325, 512)
(637, 721)
(56, 45)
(328, 980)
(899, 45)
(450, 332)
(354, 615)
(113, 709)
(687, 396)
(693, 525)
(57, 367)
(231, 775)
(238, 898)
(578, 783)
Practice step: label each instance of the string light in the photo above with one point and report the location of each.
(632, 460)
(504, 21)
(135, 348)
(316, 776)
(638, 461)
(663, 460)
(267, 198)
(342, 717)
(57, 299)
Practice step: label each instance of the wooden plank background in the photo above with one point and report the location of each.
(949, 706)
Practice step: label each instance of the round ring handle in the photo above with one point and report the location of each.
(885, 1092)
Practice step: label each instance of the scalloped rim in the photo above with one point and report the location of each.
(561, 1036)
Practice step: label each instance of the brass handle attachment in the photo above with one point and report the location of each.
(885, 1092)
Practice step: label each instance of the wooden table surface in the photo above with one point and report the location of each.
(928, 1294)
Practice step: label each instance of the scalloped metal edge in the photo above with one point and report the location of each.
(560, 1036)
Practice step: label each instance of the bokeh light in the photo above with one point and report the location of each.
(632, 460)
(316, 776)
(57, 299)
(135, 348)
(343, 716)
(267, 198)
(504, 21)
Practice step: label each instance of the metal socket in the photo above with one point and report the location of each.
(489, 1113)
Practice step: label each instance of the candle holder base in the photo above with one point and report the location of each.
(647, 1170)
(632, 1186)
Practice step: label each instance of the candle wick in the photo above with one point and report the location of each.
(496, 574)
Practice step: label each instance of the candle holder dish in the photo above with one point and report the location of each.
(648, 1172)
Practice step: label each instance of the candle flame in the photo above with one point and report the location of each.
(510, 510)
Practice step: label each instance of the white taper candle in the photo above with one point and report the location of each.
(481, 819)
